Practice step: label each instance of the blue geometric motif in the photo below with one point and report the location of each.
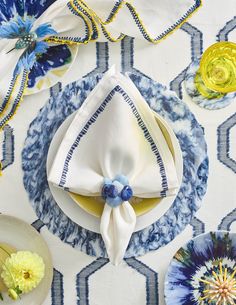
(102, 56)
(8, 147)
(83, 277)
(190, 136)
(229, 27)
(57, 289)
(196, 39)
(223, 143)
(37, 224)
(127, 56)
(198, 226)
(223, 131)
(196, 51)
(227, 221)
(151, 279)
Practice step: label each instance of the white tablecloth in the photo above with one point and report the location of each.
(141, 281)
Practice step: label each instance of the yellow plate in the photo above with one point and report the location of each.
(95, 205)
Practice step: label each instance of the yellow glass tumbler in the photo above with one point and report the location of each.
(218, 68)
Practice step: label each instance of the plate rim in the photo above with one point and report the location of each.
(183, 246)
(49, 255)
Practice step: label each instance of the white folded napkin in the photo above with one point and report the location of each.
(114, 148)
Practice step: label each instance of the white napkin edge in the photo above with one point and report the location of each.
(116, 227)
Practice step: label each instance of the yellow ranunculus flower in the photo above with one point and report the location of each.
(23, 270)
(218, 67)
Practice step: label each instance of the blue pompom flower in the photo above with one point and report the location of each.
(116, 191)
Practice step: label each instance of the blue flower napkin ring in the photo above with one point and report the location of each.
(116, 191)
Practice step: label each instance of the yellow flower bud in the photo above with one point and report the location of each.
(13, 294)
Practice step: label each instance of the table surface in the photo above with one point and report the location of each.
(137, 281)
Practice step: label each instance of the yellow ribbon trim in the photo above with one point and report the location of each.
(99, 21)
(89, 13)
(18, 104)
(10, 97)
(96, 20)
(109, 20)
(58, 40)
(154, 40)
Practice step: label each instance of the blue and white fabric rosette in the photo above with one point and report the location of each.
(114, 148)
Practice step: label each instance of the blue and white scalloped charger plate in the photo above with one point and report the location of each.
(203, 271)
(166, 226)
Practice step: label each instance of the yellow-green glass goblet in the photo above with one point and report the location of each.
(217, 70)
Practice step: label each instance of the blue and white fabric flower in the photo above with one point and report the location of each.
(117, 190)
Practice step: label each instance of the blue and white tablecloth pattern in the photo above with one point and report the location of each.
(80, 279)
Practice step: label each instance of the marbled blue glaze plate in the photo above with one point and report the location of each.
(197, 267)
(195, 167)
